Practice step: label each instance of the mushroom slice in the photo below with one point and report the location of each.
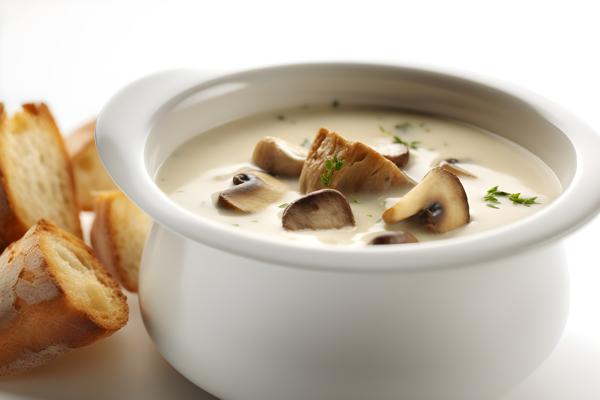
(362, 168)
(396, 153)
(439, 199)
(252, 191)
(451, 165)
(394, 238)
(323, 209)
(278, 157)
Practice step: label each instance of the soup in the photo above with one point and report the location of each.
(436, 170)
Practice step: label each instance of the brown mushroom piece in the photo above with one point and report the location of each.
(253, 190)
(278, 157)
(451, 165)
(439, 200)
(394, 238)
(323, 209)
(395, 152)
(362, 168)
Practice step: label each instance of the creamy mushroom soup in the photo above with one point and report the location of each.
(373, 176)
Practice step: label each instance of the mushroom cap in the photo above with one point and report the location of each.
(451, 165)
(397, 153)
(439, 198)
(363, 170)
(394, 238)
(278, 157)
(253, 190)
(323, 209)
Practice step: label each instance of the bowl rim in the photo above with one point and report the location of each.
(124, 126)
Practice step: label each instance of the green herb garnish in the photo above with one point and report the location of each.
(305, 143)
(403, 126)
(384, 131)
(283, 205)
(414, 144)
(526, 201)
(370, 215)
(331, 165)
(492, 194)
(354, 199)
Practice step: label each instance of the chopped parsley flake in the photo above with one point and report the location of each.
(331, 165)
(413, 144)
(384, 131)
(403, 126)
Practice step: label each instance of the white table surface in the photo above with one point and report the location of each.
(75, 54)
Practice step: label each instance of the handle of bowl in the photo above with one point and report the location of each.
(123, 124)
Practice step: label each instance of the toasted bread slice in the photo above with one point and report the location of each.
(54, 296)
(359, 168)
(36, 178)
(90, 175)
(118, 236)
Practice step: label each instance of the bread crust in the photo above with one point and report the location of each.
(89, 173)
(12, 223)
(81, 138)
(11, 227)
(38, 319)
(103, 237)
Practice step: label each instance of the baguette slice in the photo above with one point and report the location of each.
(36, 177)
(54, 296)
(90, 175)
(118, 235)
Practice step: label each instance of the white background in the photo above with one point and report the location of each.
(75, 54)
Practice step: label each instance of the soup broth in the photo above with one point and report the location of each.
(204, 166)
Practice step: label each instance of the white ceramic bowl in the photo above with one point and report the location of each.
(246, 317)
